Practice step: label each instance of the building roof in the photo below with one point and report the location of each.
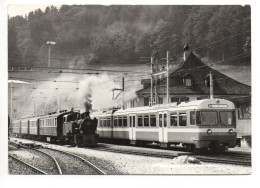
(198, 71)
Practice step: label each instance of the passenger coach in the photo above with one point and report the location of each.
(209, 123)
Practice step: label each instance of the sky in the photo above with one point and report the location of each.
(22, 10)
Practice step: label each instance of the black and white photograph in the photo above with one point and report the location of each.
(128, 89)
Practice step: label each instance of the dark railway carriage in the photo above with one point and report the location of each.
(24, 126)
(209, 123)
(34, 126)
(16, 125)
(51, 126)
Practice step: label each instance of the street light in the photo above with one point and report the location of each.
(49, 58)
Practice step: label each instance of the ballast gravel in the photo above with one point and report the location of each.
(116, 163)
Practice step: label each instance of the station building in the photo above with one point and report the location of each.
(191, 81)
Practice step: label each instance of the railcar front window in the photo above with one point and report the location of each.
(227, 118)
(125, 121)
(209, 118)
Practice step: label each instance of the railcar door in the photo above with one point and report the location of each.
(163, 127)
(132, 127)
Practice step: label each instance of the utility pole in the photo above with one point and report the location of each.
(77, 96)
(58, 110)
(211, 85)
(152, 80)
(123, 90)
(11, 115)
(167, 74)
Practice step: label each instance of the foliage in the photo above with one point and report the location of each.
(123, 34)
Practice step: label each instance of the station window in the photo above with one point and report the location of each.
(125, 121)
(160, 120)
(146, 120)
(183, 119)
(153, 120)
(140, 121)
(165, 120)
(174, 120)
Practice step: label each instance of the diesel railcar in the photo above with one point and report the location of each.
(209, 123)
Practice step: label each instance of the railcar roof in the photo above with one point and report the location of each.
(197, 104)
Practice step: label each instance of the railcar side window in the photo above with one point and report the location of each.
(153, 120)
(133, 121)
(108, 122)
(105, 122)
(120, 119)
(183, 119)
(209, 118)
(160, 120)
(227, 118)
(174, 120)
(125, 121)
(192, 117)
(146, 120)
(130, 121)
(140, 121)
(115, 121)
(165, 120)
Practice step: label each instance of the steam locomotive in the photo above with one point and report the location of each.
(63, 127)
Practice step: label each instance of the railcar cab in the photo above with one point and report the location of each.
(68, 122)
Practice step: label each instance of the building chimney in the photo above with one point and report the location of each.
(185, 49)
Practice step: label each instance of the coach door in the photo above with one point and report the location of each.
(163, 127)
(132, 127)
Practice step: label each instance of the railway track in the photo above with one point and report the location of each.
(88, 163)
(65, 162)
(234, 159)
(37, 170)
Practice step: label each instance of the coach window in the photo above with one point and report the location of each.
(108, 121)
(192, 117)
(182, 119)
(140, 121)
(146, 120)
(115, 121)
(125, 121)
(160, 120)
(153, 120)
(174, 120)
(165, 120)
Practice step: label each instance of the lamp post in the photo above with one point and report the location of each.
(49, 56)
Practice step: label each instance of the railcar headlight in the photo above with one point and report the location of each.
(230, 131)
(209, 131)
